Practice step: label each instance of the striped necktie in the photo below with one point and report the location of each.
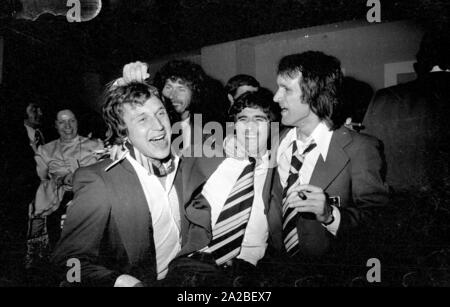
(228, 233)
(290, 235)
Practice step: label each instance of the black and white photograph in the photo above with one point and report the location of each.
(224, 149)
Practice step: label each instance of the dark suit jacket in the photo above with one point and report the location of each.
(412, 121)
(198, 212)
(109, 227)
(352, 171)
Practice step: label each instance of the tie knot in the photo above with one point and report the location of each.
(310, 147)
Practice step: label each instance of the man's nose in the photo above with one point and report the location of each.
(170, 94)
(156, 124)
(276, 97)
(252, 126)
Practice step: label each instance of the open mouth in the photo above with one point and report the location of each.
(158, 140)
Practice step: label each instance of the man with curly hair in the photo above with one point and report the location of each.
(182, 85)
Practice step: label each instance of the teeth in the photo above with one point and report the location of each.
(158, 138)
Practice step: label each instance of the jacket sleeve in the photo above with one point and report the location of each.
(370, 193)
(84, 228)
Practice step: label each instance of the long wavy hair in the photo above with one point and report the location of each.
(187, 73)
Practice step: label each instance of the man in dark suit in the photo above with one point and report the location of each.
(411, 119)
(127, 216)
(329, 183)
(231, 192)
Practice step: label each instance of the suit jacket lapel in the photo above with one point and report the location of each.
(275, 142)
(131, 210)
(326, 171)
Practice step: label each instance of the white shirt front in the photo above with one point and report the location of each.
(322, 137)
(164, 208)
(186, 132)
(216, 191)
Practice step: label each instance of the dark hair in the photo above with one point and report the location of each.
(112, 108)
(188, 73)
(35, 104)
(240, 80)
(320, 82)
(434, 50)
(262, 99)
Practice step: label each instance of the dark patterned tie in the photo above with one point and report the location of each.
(290, 235)
(38, 138)
(229, 230)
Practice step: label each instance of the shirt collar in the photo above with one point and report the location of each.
(185, 122)
(321, 136)
(118, 153)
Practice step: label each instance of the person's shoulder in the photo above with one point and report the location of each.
(358, 138)
(397, 92)
(98, 168)
(47, 147)
(91, 142)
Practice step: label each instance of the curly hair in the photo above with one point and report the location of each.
(112, 109)
(320, 83)
(187, 73)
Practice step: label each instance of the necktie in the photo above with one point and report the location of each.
(229, 230)
(38, 138)
(290, 235)
(156, 167)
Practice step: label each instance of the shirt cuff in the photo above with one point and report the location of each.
(333, 227)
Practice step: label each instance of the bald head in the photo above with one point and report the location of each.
(67, 125)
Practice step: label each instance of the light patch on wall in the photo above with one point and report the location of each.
(398, 72)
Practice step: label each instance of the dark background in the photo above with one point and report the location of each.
(45, 61)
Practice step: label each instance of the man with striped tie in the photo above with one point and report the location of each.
(231, 241)
(329, 183)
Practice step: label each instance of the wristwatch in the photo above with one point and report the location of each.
(332, 217)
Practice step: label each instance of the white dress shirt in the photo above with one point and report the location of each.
(164, 208)
(216, 191)
(186, 132)
(322, 137)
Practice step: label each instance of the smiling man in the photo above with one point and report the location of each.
(124, 225)
(329, 184)
(182, 85)
(230, 192)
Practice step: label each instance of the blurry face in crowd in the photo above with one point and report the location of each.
(34, 114)
(179, 94)
(148, 127)
(294, 111)
(244, 89)
(252, 130)
(66, 125)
